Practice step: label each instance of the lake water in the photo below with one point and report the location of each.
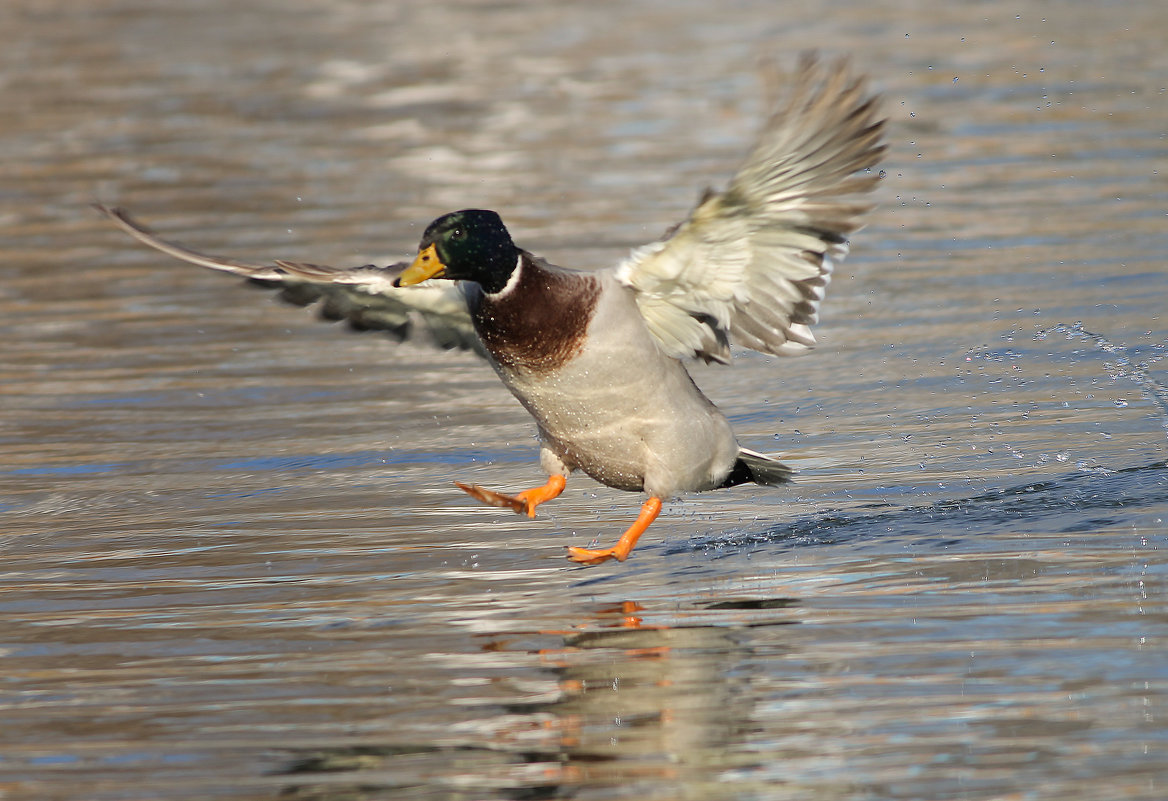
(235, 564)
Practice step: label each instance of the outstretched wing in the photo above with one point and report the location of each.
(752, 262)
(364, 296)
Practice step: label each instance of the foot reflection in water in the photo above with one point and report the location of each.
(652, 709)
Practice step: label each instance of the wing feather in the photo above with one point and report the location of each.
(364, 296)
(752, 262)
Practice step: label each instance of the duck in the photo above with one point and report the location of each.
(599, 358)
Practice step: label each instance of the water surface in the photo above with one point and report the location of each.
(235, 563)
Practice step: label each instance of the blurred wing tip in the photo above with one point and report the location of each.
(364, 296)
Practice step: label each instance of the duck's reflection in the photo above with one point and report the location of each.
(645, 701)
(657, 709)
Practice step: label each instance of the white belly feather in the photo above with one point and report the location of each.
(625, 413)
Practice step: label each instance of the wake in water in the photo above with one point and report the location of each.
(1130, 498)
(1095, 498)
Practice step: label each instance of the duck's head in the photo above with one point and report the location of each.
(467, 245)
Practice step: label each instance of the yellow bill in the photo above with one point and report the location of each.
(427, 265)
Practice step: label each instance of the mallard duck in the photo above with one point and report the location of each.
(598, 358)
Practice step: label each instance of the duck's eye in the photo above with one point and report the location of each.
(457, 233)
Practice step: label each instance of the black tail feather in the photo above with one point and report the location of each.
(759, 469)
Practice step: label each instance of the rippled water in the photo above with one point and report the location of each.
(235, 564)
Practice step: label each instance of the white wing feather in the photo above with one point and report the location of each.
(753, 262)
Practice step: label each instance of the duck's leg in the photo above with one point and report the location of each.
(523, 503)
(594, 556)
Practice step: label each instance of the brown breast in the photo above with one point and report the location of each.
(540, 323)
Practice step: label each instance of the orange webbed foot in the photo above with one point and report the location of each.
(595, 556)
(492, 498)
(523, 503)
(624, 546)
